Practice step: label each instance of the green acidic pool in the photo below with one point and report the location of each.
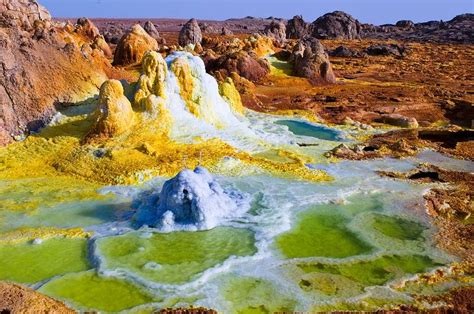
(396, 227)
(174, 257)
(321, 234)
(252, 295)
(377, 271)
(90, 291)
(31, 263)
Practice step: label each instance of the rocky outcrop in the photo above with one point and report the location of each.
(457, 30)
(386, 50)
(190, 34)
(22, 14)
(296, 28)
(311, 61)
(405, 24)
(243, 63)
(399, 120)
(39, 68)
(151, 85)
(150, 28)
(225, 31)
(133, 46)
(86, 28)
(114, 114)
(345, 52)
(335, 25)
(276, 31)
(101, 44)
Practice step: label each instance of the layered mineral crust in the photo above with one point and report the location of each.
(151, 85)
(114, 115)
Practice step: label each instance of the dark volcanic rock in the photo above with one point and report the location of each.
(296, 28)
(386, 50)
(405, 24)
(150, 28)
(344, 52)
(457, 30)
(225, 31)
(311, 61)
(276, 31)
(190, 33)
(335, 25)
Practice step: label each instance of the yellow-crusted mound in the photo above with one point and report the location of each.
(114, 114)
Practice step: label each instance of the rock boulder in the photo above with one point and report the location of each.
(133, 46)
(335, 25)
(190, 34)
(296, 28)
(311, 61)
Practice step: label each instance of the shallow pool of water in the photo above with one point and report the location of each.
(312, 130)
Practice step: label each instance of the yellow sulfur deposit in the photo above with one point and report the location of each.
(114, 114)
(152, 80)
(231, 95)
(181, 69)
(28, 234)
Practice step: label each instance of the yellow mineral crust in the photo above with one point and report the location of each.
(231, 95)
(152, 80)
(114, 114)
(182, 70)
(28, 234)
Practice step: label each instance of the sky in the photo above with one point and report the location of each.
(366, 11)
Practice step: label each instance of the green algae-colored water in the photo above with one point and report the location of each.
(253, 295)
(174, 257)
(302, 246)
(90, 291)
(322, 234)
(31, 263)
(377, 271)
(398, 228)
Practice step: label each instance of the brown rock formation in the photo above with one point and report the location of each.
(296, 28)
(114, 114)
(311, 61)
(241, 62)
(399, 120)
(150, 28)
(276, 31)
(19, 299)
(86, 28)
(133, 46)
(38, 68)
(190, 34)
(22, 14)
(335, 25)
